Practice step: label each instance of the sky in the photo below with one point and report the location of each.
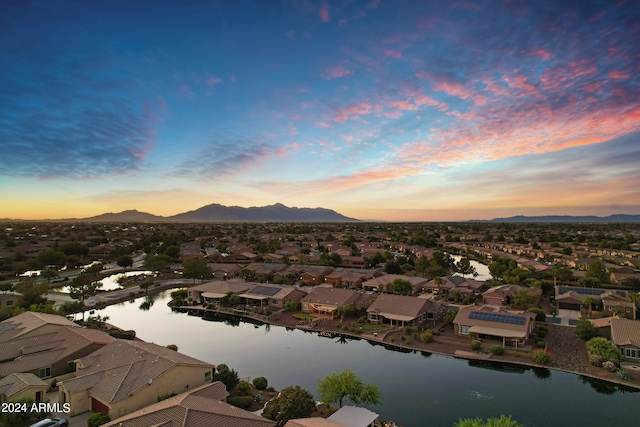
(383, 110)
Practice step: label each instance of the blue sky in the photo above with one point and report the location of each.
(393, 110)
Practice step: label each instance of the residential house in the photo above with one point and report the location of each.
(273, 296)
(312, 422)
(9, 300)
(326, 300)
(125, 376)
(224, 271)
(501, 295)
(510, 326)
(211, 292)
(190, 250)
(625, 273)
(381, 283)
(30, 324)
(20, 385)
(51, 354)
(345, 277)
(613, 300)
(353, 416)
(200, 407)
(625, 335)
(401, 310)
(449, 283)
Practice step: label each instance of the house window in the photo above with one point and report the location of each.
(9, 303)
(464, 330)
(45, 372)
(207, 376)
(630, 352)
(628, 310)
(274, 302)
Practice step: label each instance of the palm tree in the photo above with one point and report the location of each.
(588, 302)
(634, 297)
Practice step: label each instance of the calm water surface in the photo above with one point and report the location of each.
(419, 389)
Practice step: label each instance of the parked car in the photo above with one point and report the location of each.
(51, 422)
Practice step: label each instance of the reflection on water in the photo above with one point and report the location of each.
(111, 283)
(481, 269)
(416, 386)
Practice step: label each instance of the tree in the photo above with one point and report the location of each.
(49, 274)
(335, 388)
(196, 268)
(228, 377)
(586, 330)
(125, 261)
(400, 286)
(503, 421)
(32, 292)
(292, 402)
(83, 286)
(588, 302)
(157, 262)
(599, 271)
(392, 267)
(634, 297)
(464, 267)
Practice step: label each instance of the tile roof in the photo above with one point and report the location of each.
(625, 332)
(28, 322)
(331, 296)
(200, 407)
(222, 287)
(354, 416)
(35, 352)
(462, 318)
(16, 382)
(119, 369)
(313, 422)
(404, 305)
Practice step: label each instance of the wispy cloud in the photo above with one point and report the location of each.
(337, 72)
(323, 13)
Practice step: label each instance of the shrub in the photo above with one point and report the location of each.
(615, 362)
(98, 419)
(406, 340)
(475, 346)
(585, 329)
(544, 328)
(260, 383)
(540, 344)
(243, 402)
(623, 375)
(392, 339)
(244, 388)
(427, 336)
(124, 335)
(497, 350)
(542, 333)
(609, 366)
(541, 357)
(540, 315)
(596, 360)
(603, 348)
(409, 330)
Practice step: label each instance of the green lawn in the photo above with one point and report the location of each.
(303, 316)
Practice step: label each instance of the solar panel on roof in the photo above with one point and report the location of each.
(583, 291)
(264, 290)
(8, 327)
(497, 317)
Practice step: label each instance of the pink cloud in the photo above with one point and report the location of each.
(233, 79)
(542, 53)
(353, 111)
(213, 80)
(392, 53)
(323, 13)
(617, 74)
(326, 125)
(337, 72)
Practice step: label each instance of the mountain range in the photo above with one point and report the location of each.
(220, 213)
(619, 218)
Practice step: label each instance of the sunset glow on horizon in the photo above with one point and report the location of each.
(379, 110)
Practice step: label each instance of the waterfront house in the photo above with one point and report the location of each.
(625, 335)
(449, 283)
(401, 310)
(345, 277)
(312, 422)
(510, 326)
(125, 376)
(20, 385)
(30, 324)
(354, 416)
(614, 301)
(200, 407)
(273, 296)
(325, 300)
(211, 292)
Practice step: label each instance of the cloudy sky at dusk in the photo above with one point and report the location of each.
(378, 109)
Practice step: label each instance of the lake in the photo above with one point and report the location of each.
(418, 389)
